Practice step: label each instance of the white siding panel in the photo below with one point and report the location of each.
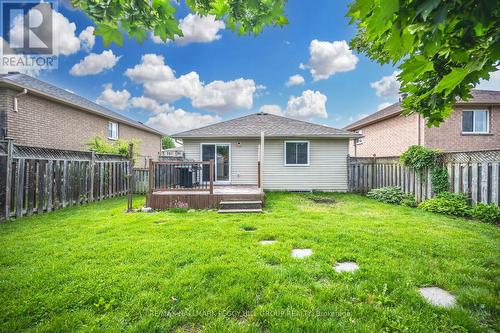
(243, 157)
(327, 169)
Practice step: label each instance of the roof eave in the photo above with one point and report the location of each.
(337, 136)
(36, 92)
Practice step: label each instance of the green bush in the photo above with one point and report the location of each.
(447, 203)
(101, 145)
(419, 158)
(392, 195)
(439, 180)
(409, 201)
(486, 213)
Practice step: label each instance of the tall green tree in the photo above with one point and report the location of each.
(139, 17)
(167, 142)
(443, 47)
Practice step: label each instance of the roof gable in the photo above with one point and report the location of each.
(272, 126)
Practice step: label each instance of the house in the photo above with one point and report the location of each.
(474, 125)
(36, 113)
(293, 154)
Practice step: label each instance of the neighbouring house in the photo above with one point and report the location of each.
(36, 113)
(293, 154)
(473, 126)
(172, 153)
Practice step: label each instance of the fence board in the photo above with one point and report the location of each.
(40, 183)
(477, 178)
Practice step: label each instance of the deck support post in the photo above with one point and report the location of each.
(151, 183)
(129, 175)
(212, 176)
(261, 165)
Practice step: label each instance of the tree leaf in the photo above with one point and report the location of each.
(450, 81)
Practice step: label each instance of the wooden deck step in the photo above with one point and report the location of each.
(240, 205)
(227, 211)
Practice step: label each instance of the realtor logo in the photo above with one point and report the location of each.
(28, 40)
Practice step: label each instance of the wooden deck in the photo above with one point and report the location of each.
(203, 199)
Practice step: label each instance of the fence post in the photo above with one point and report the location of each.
(151, 183)
(129, 175)
(211, 176)
(92, 171)
(8, 179)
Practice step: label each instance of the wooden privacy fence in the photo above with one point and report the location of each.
(140, 180)
(474, 173)
(38, 180)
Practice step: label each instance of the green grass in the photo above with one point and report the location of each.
(97, 268)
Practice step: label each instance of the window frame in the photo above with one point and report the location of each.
(359, 141)
(308, 153)
(117, 135)
(474, 121)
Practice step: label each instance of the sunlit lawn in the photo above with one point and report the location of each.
(97, 268)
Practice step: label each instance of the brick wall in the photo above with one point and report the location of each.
(390, 137)
(44, 123)
(449, 137)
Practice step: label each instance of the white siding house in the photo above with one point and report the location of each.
(297, 155)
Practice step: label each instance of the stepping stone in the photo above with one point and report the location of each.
(437, 296)
(301, 253)
(347, 266)
(267, 242)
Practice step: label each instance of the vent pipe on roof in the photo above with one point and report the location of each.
(24, 92)
(402, 96)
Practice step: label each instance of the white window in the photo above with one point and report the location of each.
(475, 121)
(296, 153)
(359, 141)
(112, 130)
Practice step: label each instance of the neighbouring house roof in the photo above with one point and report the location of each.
(273, 126)
(47, 90)
(479, 97)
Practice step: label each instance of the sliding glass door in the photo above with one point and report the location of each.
(220, 153)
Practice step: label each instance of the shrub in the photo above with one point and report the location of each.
(439, 180)
(447, 203)
(419, 158)
(102, 146)
(486, 213)
(409, 201)
(391, 195)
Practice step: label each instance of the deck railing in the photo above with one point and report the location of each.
(181, 176)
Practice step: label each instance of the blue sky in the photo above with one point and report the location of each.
(250, 72)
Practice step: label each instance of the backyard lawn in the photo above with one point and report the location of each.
(97, 268)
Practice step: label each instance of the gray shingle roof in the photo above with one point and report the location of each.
(272, 125)
(44, 88)
(487, 97)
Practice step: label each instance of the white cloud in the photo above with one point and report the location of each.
(65, 41)
(388, 86)
(161, 84)
(272, 109)
(493, 83)
(179, 120)
(94, 64)
(383, 105)
(196, 29)
(144, 103)
(295, 80)
(151, 68)
(223, 96)
(328, 58)
(117, 99)
(87, 38)
(309, 105)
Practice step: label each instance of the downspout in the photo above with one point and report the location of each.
(24, 92)
(262, 161)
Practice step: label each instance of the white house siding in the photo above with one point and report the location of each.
(244, 157)
(327, 168)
